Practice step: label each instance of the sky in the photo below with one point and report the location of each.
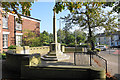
(44, 12)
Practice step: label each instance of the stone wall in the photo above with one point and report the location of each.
(45, 49)
(41, 50)
(32, 50)
(20, 64)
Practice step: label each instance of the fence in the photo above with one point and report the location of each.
(90, 59)
(99, 61)
(81, 58)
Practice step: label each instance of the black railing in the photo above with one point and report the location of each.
(81, 58)
(100, 61)
(90, 59)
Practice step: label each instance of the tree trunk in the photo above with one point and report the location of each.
(91, 41)
(90, 34)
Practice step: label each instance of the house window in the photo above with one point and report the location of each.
(18, 40)
(5, 22)
(18, 26)
(5, 40)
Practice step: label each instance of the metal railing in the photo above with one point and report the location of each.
(99, 61)
(81, 58)
(90, 59)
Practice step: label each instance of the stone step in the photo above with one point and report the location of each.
(52, 54)
(49, 56)
(48, 59)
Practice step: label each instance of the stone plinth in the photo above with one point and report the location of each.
(55, 53)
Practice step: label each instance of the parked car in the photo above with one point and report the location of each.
(102, 47)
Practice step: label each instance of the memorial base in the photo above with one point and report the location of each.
(55, 53)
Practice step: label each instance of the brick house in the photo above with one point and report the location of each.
(11, 32)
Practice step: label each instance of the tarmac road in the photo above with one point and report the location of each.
(113, 59)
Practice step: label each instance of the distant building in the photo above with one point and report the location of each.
(11, 32)
(113, 39)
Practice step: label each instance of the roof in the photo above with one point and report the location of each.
(103, 34)
(25, 16)
(30, 17)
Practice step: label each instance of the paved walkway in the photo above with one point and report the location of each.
(113, 63)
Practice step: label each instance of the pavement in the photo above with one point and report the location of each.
(113, 61)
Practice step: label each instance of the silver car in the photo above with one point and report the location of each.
(102, 47)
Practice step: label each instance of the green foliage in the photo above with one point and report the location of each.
(30, 39)
(63, 44)
(17, 8)
(2, 56)
(89, 16)
(71, 45)
(44, 38)
(80, 36)
(83, 45)
(115, 5)
(12, 47)
(68, 38)
(89, 50)
(50, 38)
(97, 49)
(61, 36)
(33, 40)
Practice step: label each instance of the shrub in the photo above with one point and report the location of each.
(71, 45)
(83, 45)
(97, 49)
(12, 47)
(63, 44)
(2, 55)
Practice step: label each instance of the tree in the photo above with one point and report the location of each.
(87, 15)
(115, 5)
(44, 38)
(61, 36)
(80, 36)
(30, 39)
(50, 38)
(17, 8)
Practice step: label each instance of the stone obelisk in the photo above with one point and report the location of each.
(55, 53)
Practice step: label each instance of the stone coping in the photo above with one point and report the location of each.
(12, 53)
(67, 67)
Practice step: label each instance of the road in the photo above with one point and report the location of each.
(113, 59)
